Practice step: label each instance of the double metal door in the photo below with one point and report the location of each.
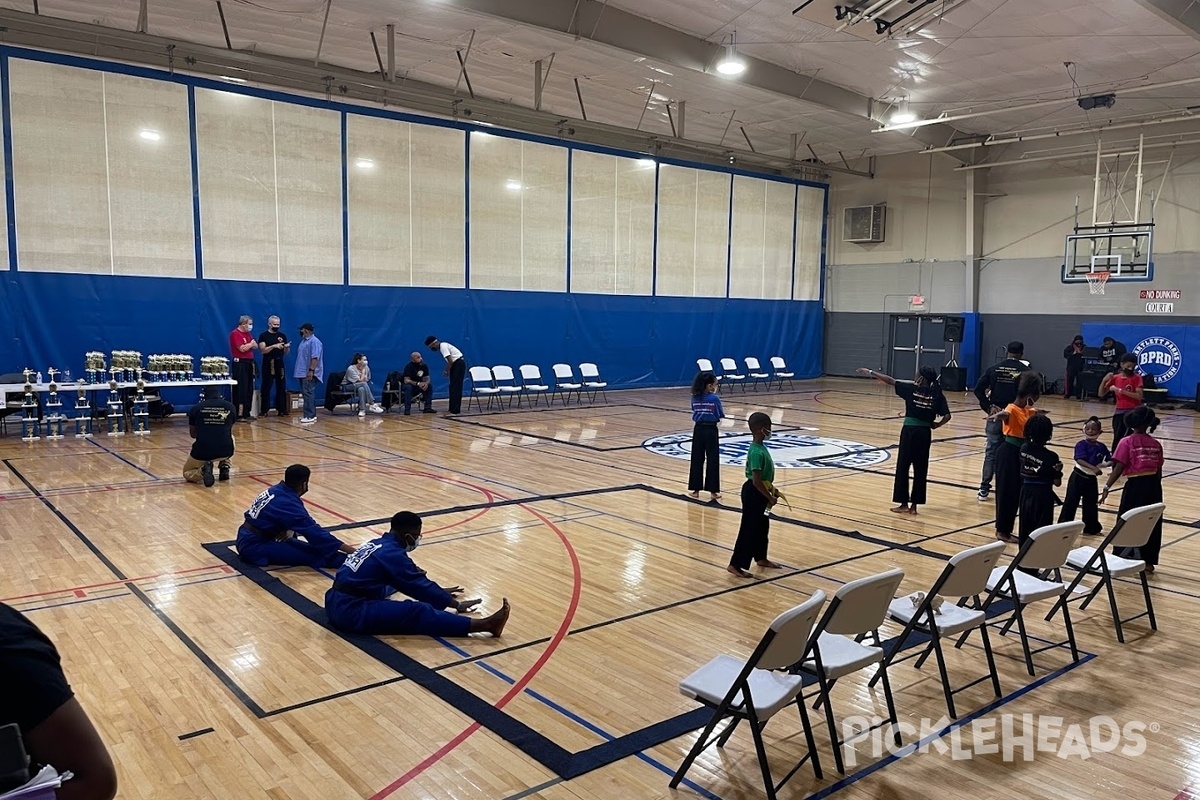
(917, 341)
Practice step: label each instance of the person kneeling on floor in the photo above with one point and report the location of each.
(279, 531)
(357, 602)
(210, 423)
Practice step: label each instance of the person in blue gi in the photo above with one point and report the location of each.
(278, 530)
(357, 602)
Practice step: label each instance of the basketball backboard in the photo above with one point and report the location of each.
(1125, 252)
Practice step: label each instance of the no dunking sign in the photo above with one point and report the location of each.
(1159, 295)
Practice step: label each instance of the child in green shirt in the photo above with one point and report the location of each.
(758, 496)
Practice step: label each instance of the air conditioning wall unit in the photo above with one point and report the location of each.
(864, 224)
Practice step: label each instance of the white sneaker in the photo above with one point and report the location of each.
(377, 409)
(362, 413)
(307, 420)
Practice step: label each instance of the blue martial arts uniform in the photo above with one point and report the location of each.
(274, 512)
(357, 602)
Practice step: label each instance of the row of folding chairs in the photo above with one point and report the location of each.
(754, 374)
(499, 382)
(808, 648)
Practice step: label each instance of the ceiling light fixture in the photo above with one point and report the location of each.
(150, 136)
(903, 114)
(364, 163)
(232, 79)
(513, 186)
(647, 163)
(730, 64)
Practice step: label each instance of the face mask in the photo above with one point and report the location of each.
(364, 362)
(1128, 370)
(1091, 437)
(408, 548)
(274, 327)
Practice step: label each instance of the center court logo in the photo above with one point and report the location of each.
(1160, 357)
(788, 450)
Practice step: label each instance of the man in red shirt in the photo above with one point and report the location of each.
(242, 346)
(1126, 386)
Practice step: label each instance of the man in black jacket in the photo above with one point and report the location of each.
(1073, 353)
(996, 389)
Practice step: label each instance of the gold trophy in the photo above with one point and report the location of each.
(116, 409)
(83, 410)
(141, 408)
(29, 410)
(54, 419)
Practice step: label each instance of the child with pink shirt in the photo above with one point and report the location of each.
(1139, 458)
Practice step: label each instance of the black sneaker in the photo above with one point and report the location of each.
(429, 411)
(224, 473)
(206, 474)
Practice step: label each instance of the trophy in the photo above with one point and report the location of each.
(29, 412)
(83, 409)
(54, 419)
(116, 409)
(141, 408)
(93, 363)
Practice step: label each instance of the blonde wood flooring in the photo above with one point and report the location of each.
(206, 683)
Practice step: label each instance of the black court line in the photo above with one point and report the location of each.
(185, 736)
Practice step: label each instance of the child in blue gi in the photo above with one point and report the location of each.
(357, 602)
(278, 529)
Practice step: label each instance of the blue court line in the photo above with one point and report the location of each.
(571, 715)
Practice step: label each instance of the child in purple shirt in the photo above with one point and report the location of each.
(1083, 487)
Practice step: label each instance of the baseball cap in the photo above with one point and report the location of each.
(1016, 348)
(308, 326)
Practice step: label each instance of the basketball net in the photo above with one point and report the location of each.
(1096, 281)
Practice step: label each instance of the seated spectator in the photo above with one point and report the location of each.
(416, 383)
(358, 378)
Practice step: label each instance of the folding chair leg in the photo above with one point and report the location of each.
(893, 718)
(941, 662)
(834, 740)
(1020, 619)
(991, 659)
(761, 749)
(702, 742)
(1149, 602)
(725, 734)
(808, 737)
(1092, 594)
(1116, 614)
(924, 656)
(1070, 633)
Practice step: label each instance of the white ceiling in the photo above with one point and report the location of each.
(983, 53)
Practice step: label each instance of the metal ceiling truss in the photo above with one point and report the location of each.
(48, 33)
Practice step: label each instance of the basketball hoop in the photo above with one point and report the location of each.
(1096, 281)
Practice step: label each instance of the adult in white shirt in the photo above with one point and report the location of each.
(456, 368)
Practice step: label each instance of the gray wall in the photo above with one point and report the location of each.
(854, 340)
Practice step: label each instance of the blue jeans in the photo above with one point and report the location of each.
(308, 390)
(365, 398)
(995, 438)
(411, 392)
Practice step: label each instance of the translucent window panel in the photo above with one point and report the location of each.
(235, 142)
(693, 232)
(761, 252)
(406, 203)
(308, 170)
(810, 224)
(150, 177)
(60, 174)
(612, 224)
(518, 214)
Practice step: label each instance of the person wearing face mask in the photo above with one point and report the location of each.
(1126, 387)
(358, 600)
(1073, 353)
(242, 347)
(358, 379)
(1091, 455)
(278, 530)
(274, 346)
(925, 410)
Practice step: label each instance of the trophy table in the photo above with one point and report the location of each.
(116, 410)
(141, 409)
(83, 410)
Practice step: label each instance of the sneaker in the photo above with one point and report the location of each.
(983, 495)
(206, 474)
(407, 412)
(307, 420)
(362, 413)
(429, 411)
(377, 409)
(223, 475)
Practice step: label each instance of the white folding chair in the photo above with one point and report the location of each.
(565, 383)
(704, 365)
(780, 372)
(589, 374)
(1044, 554)
(506, 384)
(855, 613)
(482, 385)
(756, 689)
(1132, 530)
(925, 613)
(754, 372)
(731, 373)
(531, 384)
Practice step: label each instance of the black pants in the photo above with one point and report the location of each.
(1008, 486)
(751, 544)
(1144, 490)
(1083, 489)
(1120, 429)
(1037, 509)
(1074, 384)
(705, 446)
(913, 452)
(273, 377)
(458, 373)
(243, 391)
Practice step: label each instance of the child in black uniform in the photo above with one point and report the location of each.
(1041, 471)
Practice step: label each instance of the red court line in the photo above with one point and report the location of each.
(77, 589)
(518, 687)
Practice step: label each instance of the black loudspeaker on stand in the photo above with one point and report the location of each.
(954, 377)
(953, 332)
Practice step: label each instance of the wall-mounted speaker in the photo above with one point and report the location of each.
(954, 329)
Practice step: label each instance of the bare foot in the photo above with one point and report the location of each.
(694, 495)
(741, 573)
(765, 564)
(493, 623)
(1007, 538)
(714, 496)
(1149, 569)
(901, 509)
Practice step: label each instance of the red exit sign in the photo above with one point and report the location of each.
(1161, 294)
